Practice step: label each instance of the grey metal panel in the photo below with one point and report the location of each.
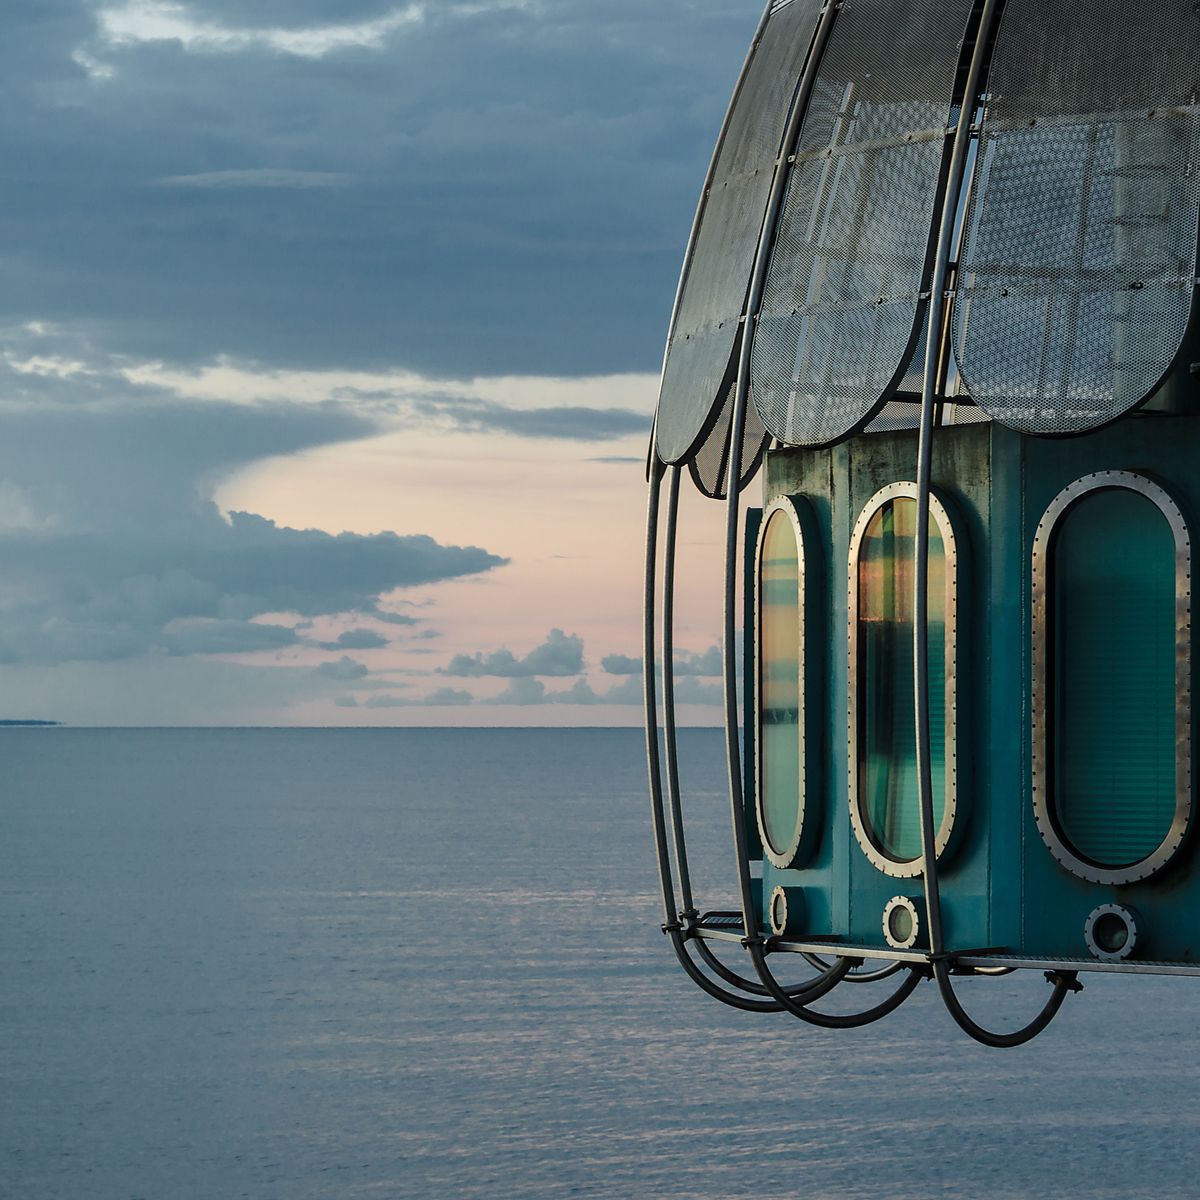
(843, 299)
(713, 291)
(709, 466)
(1076, 279)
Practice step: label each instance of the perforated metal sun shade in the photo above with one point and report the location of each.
(716, 278)
(709, 466)
(1080, 240)
(842, 305)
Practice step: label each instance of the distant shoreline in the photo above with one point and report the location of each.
(27, 724)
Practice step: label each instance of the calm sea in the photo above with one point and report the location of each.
(300, 964)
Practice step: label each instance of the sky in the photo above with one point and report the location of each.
(329, 342)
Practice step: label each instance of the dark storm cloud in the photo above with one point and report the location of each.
(558, 655)
(512, 186)
(112, 549)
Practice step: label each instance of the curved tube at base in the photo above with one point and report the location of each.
(832, 1020)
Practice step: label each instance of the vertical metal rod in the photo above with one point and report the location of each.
(1063, 982)
(670, 728)
(653, 763)
(672, 926)
(929, 399)
(736, 435)
(793, 1003)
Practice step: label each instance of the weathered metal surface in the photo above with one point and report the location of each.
(712, 293)
(1078, 268)
(843, 299)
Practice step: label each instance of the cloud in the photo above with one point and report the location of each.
(708, 664)
(141, 21)
(207, 636)
(258, 177)
(546, 159)
(522, 693)
(621, 664)
(395, 618)
(688, 690)
(558, 423)
(346, 702)
(114, 551)
(628, 692)
(345, 669)
(357, 639)
(558, 655)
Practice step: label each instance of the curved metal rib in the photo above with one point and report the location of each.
(670, 728)
(833, 1020)
(754, 941)
(831, 975)
(815, 960)
(938, 958)
(812, 990)
(653, 763)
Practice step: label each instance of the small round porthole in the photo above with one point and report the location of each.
(901, 923)
(787, 911)
(1111, 933)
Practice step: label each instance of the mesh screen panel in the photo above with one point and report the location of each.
(1075, 284)
(843, 294)
(716, 279)
(709, 467)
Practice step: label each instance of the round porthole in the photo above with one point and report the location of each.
(787, 911)
(1111, 933)
(901, 923)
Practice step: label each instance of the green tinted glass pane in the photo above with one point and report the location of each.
(779, 667)
(1114, 677)
(887, 771)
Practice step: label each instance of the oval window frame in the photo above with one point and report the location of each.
(795, 509)
(1040, 699)
(879, 859)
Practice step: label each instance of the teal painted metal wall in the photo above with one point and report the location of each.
(1001, 886)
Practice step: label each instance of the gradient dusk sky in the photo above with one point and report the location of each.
(331, 336)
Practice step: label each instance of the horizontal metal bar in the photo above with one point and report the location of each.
(841, 950)
(718, 935)
(1079, 964)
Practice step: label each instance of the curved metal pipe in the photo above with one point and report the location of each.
(670, 726)
(672, 926)
(832, 974)
(754, 941)
(806, 993)
(734, 465)
(834, 1020)
(650, 699)
(858, 976)
(938, 958)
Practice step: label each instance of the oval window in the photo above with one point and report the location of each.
(1112, 769)
(883, 768)
(780, 684)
